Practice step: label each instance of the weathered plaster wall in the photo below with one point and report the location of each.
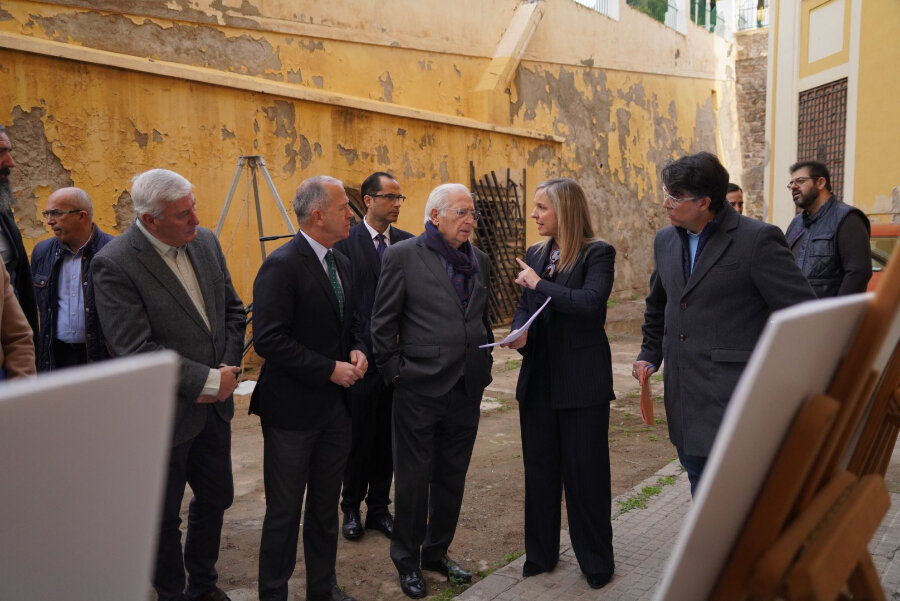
(620, 129)
(750, 68)
(624, 97)
(877, 121)
(105, 125)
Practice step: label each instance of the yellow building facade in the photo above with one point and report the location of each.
(832, 96)
(95, 93)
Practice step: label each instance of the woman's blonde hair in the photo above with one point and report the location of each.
(574, 229)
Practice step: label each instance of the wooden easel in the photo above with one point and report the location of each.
(807, 535)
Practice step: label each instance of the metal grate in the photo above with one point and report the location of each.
(822, 127)
(501, 234)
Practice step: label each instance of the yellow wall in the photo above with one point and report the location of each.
(877, 120)
(338, 94)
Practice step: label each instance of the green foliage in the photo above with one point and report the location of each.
(634, 297)
(513, 364)
(655, 8)
(611, 302)
(639, 501)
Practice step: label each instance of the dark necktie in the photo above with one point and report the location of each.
(335, 283)
(382, 245)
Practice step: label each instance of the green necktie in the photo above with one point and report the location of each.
(335, 282)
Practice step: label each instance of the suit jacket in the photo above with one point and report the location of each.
(16, 341)
(423, 337)
(19, 269)
(577, 361)
(143, 307)
(705, 328)
(366, 269)
(298, 330)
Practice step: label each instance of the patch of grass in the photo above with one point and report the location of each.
(633, 394)
(639, 501)
(454, 590)
(652, 438)
(610, 303)
(657, 377)
(507, 559)
(513, 555)
(634, 297)
(512, 364)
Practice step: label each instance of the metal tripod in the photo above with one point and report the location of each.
(255, 162)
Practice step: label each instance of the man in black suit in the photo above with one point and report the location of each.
(12, 250)
(164, 284)
(303, 309)
(429, 318)
(369, 467)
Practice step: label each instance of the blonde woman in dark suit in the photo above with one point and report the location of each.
(565, 384)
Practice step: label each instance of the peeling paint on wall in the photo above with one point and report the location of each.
(188, 44)
(140, 137)
(283, 115)
(37, 169)
(350, 154)
(387, 86)
(382, 154)
(124, 211)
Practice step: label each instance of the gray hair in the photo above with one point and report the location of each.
(312, 195)
(439, 198)
(152, 190)
(81, 200)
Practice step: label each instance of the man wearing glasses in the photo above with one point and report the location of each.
(70, 331)
(717, 277)
(829, 239)
(369, 467)
(429, 318)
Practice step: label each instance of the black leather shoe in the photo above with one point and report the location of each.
(352, 528)
(383, 522)
(598, 580)
(336, 594)
(213, 594)
(413, 585)
(448, 568)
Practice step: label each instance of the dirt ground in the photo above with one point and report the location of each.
(490, 526)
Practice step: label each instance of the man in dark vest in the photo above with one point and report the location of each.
(829, 239)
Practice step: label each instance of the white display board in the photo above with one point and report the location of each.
(83, 454)
(796, 356)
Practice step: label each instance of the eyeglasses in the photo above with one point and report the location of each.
(390, 197)
(798, 181)
(56, 213)
(676, 201)
(463, 212)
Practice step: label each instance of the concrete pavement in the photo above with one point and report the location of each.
(644, 537)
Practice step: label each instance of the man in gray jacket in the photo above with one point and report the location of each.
(717, 278)
(163, 284)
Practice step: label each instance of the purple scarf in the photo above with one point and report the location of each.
(461, 263)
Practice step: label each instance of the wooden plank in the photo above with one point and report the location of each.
(841, 543)
(771, 510)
